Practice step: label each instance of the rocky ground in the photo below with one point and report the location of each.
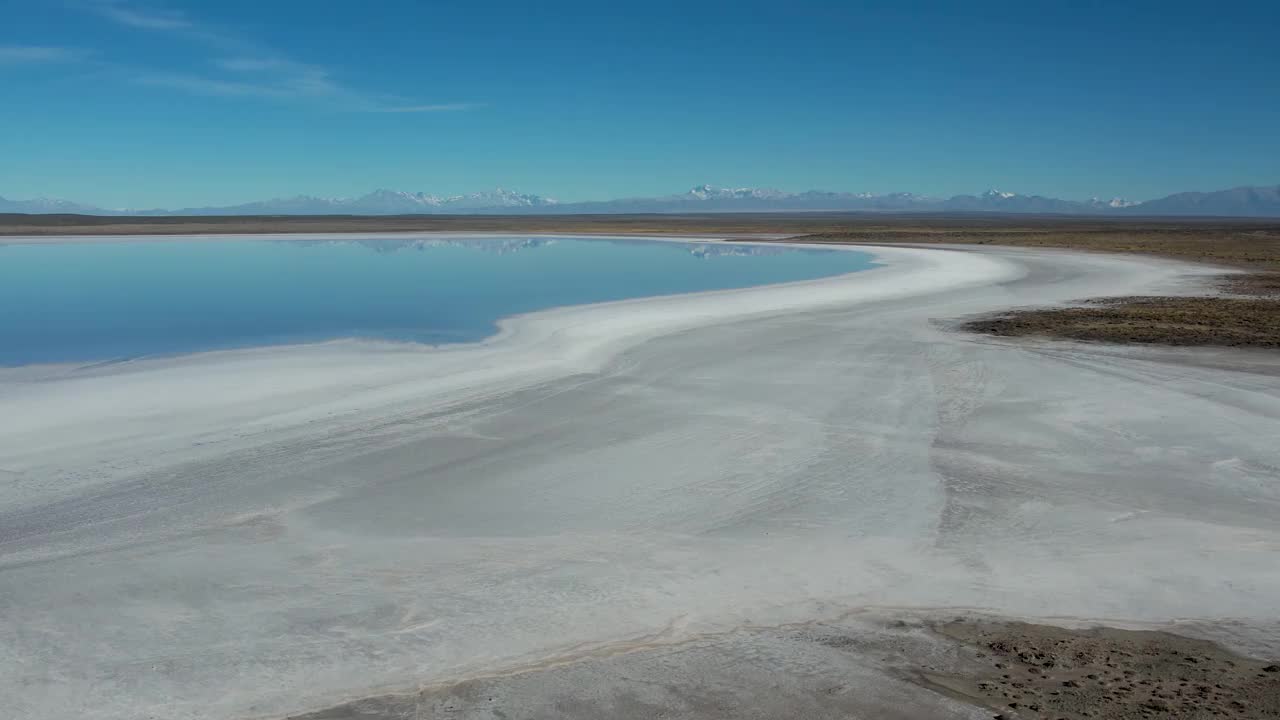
(1038, 671)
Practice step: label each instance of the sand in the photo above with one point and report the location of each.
(680, 494)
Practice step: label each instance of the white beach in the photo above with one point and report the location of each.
(263, 532)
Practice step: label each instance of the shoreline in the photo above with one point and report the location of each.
(678, 465)
(526, 349)
(503, 325)
(542, 323)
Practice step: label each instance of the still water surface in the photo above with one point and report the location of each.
(128, 299)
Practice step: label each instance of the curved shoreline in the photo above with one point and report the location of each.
(611, 256)
(529, 348)
(602, 472)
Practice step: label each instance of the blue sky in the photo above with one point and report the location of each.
(171, 103)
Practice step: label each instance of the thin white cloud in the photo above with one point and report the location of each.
(303, 83)
(37, 54)
(257, 64)
(145, 19)
(200, 85)
(243, 69)
(300, 78)
(442, 107)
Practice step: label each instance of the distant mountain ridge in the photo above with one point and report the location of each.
(378, 202)
(1241, 201)
(1263, 201)
(45, 206)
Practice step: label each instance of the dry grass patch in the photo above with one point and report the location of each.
(1219, 321)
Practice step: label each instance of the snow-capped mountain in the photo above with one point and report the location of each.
(378, 202)
(711, 198)
(1241, 202)
(711, 192)
(1114, 203)
(1007, 202)
(496, 199)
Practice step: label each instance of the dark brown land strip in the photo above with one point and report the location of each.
(821, 226)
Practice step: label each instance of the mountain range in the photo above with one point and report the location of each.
(1263, 201)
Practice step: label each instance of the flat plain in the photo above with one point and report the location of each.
(816, 500)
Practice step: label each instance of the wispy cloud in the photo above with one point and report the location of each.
(284, 75)
(142, 18)
(441, 107)
(257, 64)
(37, 54)
(238, 67)
(280, 80)
(201, 85)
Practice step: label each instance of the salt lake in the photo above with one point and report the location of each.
(130, 297)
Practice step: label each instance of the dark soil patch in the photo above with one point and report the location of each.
(1035, 671)
(1219, 321)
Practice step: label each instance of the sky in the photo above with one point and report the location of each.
(173, 104)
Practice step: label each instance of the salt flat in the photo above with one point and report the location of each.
(254, 533)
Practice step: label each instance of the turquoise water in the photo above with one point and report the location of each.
(120, 300)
